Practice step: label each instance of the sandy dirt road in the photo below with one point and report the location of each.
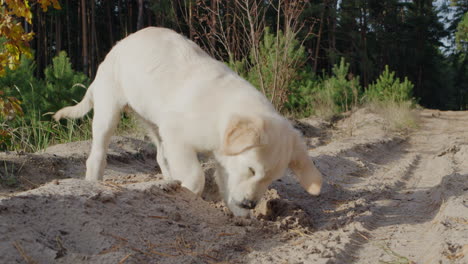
(425, 216)
(388, 198)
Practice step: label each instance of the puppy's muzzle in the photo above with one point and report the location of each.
(247, 204)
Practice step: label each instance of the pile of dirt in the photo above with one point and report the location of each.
(387, 198)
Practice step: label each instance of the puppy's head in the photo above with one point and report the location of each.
(256, 150)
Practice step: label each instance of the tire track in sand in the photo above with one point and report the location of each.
(414, 224)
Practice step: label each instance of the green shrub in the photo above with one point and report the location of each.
(461, 36)
(301, 94)
(8, 173)
(389, 88)
(342, 87)
(64, 86)
(328, 95)
(391, 98)
(274, 66)
(61, 87)
(21, 84)
(34, 130)
(398, 115)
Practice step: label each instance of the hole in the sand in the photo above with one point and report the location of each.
(283, 212)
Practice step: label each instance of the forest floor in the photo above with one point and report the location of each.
(388, 198)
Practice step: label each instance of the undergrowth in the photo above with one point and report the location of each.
(32, 129)
(399, 115)
(8, 174)
(277, 70)
(391, 98)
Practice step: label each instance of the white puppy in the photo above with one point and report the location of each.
(193, 103)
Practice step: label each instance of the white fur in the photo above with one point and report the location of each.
(192, 103)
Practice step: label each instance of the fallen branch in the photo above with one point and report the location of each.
(25, 256)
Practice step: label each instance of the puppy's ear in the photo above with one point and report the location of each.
(303, 167)
(243, 133)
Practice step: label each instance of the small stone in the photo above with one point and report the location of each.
(175, 216)
(326, 254)
(320, 248)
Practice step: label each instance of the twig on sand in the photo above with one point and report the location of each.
(162, 253)
(362, 235)
(35, 185)
(226, 234)
(25, 256)
(114, 248)
(125, 258)
(298, 242)
(302, 234)
(62, 250)
(158, 217)
(215, 262)
(140, 251)
(113, 185)
(398, 259)
(114, 236)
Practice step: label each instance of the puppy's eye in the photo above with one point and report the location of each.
(252, 170)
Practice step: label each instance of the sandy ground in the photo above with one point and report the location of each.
(388, 198)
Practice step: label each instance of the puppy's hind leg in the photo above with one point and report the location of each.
(160, 157)
(105, 120)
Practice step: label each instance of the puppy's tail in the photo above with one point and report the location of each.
(79, 109)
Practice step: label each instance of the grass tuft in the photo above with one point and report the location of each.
(399, 115)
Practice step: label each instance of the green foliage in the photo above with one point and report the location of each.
(342, 87)
(301, 96)
(325, 96)
(392, 99)
(63, 85)
(296, 89)
(34, 130)
(398, 115)
(18, 83)
(462, 34)
(15, 81)
(389, 88)
(8, 172)
(15, 37)
(31, 133)
(330, 95)
(274, 66)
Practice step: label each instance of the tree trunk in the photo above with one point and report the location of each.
(213, 30)
(58, 34)
(319, 37)
(190, 24)
(176, 8)
(94, 42)
(84, 36)
(69, 48)
(129, 18)
(332, 33)
(140, 15)
(110, 23)
(364, 66)
(38, 38)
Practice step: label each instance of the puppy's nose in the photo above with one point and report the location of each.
(248, 204)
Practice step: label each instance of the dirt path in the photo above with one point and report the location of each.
(424, 220)
(388, 198)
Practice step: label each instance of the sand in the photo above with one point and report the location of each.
(388, 198)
